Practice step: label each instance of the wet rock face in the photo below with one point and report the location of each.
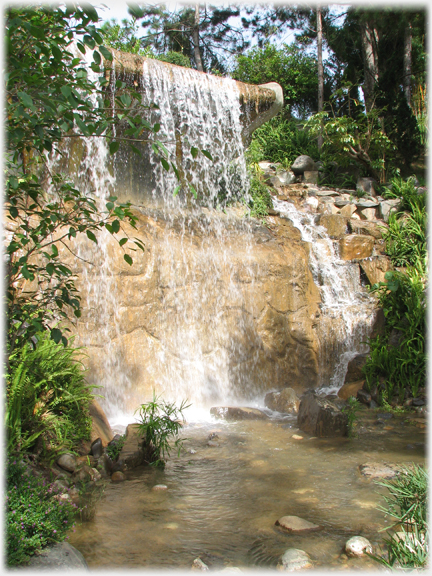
(321, 417)
(248, 302)
(284, 401)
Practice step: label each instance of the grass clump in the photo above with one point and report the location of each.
(34, 518)
(407, 544)
(160, 421)
(260, 197)
(397, 359)
(47, 409)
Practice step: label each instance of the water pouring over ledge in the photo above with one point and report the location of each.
(219, 309)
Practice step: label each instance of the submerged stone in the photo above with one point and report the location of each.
(236, 413)
(296, 524)
(378, 470)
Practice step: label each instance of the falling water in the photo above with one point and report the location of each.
(204, 343)
(344, 301)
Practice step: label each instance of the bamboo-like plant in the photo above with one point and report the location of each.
(161, 421)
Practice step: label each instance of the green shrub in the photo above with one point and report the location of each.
(113, 450)
(406, 241)
(281, 141)
(351, 409)
(407, 504)
(47, 399)
(161, 421)
(34, 518)
(401, 366)
(261, 200)
(174, 58)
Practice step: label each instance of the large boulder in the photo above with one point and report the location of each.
(388, 207)
(367, 185)
(321, 417)
(335, 224)
(134, 452)
(355, 246)
(302, 164)
(354, 370)
(59, 557)
(284, 401)
(375, 268)
(350, 390)
(237, 413)
(367, 228)
(100, 425)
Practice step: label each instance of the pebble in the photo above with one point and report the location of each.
(192, 451)
(118, 477)
(357, 546)
(294, 559)
(198, 564)
(296, 437)
(67, 462)
(160, 487)
(213, 444)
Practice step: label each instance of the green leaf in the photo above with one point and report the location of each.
(56, 335)
(110, 205)
(66, 91)
(26, 99)
(162, 147)
(194, 152)
(165, 164)
(156, 127)
(128, 259)
(123, 241)
(176, 190)
(89, 41)
(90, 11)
(115, 226)
(13, 182)
(126, 100)
(91, 236)
(207, 154)
(176, 172)
(194, 192)
(57, 53)
(113, 147)
(106, 53)
(97, 57)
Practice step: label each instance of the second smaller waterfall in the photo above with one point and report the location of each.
(346, 306)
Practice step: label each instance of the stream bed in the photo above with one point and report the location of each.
(222, 500)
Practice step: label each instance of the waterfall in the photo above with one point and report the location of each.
(344, 301)
(193, 317)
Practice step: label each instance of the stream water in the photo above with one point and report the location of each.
(222, 502)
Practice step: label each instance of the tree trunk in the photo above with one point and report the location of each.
(320, 70)
(195, 38)
(407, 62)
(369, 35)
